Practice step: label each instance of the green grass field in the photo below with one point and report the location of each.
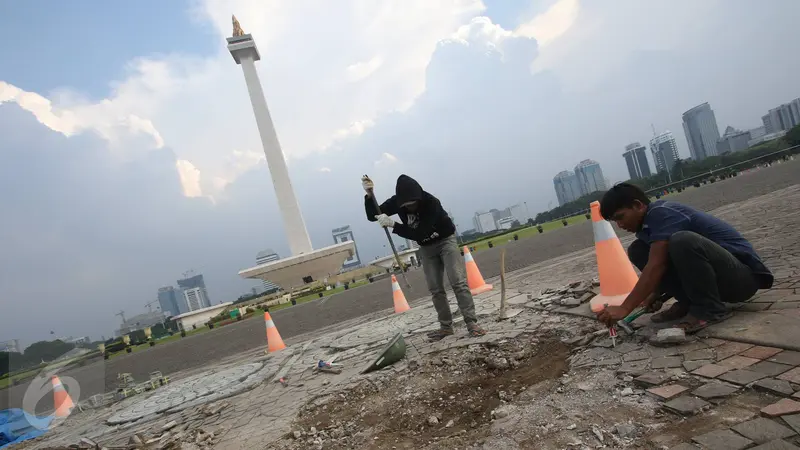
(502, 239)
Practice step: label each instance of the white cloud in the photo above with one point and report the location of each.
(361, 70)
(551, 24)
(386, 159)
(190, 178)
(325, 169)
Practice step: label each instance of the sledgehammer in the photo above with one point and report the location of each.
(389, 237)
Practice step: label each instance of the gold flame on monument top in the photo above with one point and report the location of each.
(237, 28)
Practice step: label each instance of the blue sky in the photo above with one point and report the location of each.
(86, 44)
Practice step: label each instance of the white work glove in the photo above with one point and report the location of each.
(367, 184)
(385, 221)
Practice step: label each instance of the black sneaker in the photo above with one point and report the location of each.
(440, 334)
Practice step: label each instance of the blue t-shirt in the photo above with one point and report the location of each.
(663, 219)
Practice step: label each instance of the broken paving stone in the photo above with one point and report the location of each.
(433, 420)
(694, 365)
(705, 353)
(773, 386)
(570, 302)
(684, 446)
(668, 336)
(667, 392)
(782, 407)
(637, 355)
(635, 368)
(626, 392)
(666, 362)
(686, 406)
(714, 389)
(763, 430)
(625, 430)
(650, 379)
(722, 440)
(741, 377)
(711, 371)
(497, 363)
(627, 347)
(779, 444)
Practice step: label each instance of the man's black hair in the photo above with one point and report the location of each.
(622, 195)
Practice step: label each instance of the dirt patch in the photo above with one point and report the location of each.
(443, 402)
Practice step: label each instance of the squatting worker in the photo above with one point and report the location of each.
(425, 221)
(684, 253)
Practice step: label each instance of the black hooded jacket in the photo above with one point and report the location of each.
(428, 224)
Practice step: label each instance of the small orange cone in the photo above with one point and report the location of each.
(400, 303)
(617, 277)
(474, 277)
(61, 399)
(274, 341)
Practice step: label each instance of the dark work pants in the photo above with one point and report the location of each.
(700, 273)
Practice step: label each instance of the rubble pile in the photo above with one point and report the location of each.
(450, 398)
(569, 296)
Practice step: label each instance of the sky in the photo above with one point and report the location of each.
(129, 152)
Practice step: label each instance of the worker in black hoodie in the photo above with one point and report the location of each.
(425, 221)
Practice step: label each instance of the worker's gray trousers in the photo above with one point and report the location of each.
(440, 257)
(700, 274)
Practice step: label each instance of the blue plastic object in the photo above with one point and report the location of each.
(16, 426)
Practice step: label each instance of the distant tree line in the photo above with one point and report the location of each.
(33, 356)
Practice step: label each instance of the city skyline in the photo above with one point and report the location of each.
(449, 96)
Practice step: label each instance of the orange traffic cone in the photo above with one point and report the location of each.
(274, 341)
(61, 399)
(617, 277)
(474, 277)
(400, 303)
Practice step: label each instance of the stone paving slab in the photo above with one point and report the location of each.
(783, 407)
(738, 362)
(776, 445)
(714, 389)
(793, 421)
(711, 371)
(774, 330)
(760, 352)
(741, 377)
(691, 366)
(722, 440)
(666, 362)
(731, 348)
(773, 386)
(770, 369)
(763, 430)
(792, 376)
(686, 405)
(786, 357)
(667, 392)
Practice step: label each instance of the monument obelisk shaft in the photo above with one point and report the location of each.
(245, 53)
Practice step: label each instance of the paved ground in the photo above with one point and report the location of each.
(596, 403)
(215, 346)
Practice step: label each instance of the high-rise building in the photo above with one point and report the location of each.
(195, 299)
(636, 158)
(519, 213)
(193, 282)
(264, 257)
(665, 151)
(733, 141)
(566, 186)
(345, 234)
(702, 133)
(171, 299)
(11, 346)
(782, 118)
(590, 177)
(484, 222)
